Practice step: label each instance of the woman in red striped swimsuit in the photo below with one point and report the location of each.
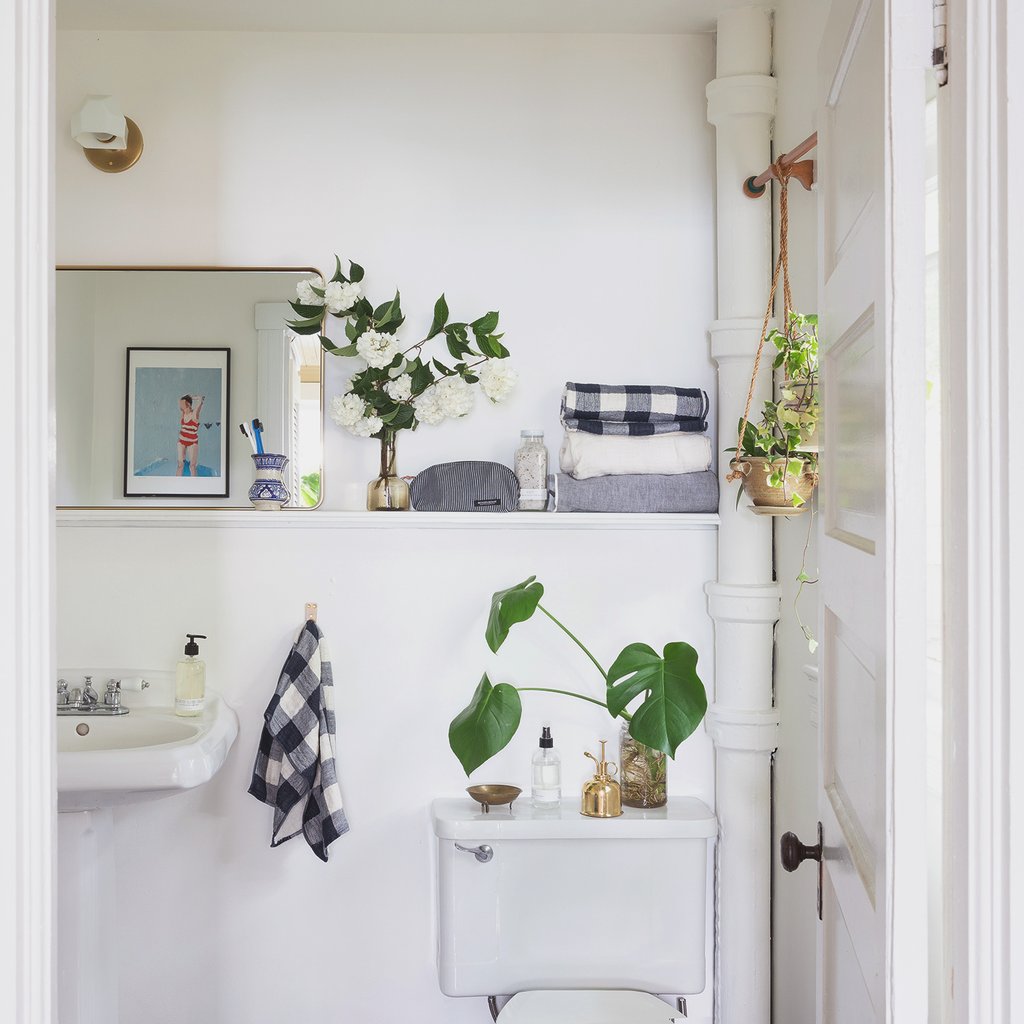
(188, 433)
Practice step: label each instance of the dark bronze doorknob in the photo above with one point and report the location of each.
(794, 853)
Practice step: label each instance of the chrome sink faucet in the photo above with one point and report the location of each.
(86, 701)
(90, 698)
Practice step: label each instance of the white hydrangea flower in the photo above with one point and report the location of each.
(454, 397)
(428, 410)
(497, 379)
(399, 389)
(377, 348)
(305, 293)
(366, 426)
(341, 295)
(347, 409)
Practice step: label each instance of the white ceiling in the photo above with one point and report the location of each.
(600, 16)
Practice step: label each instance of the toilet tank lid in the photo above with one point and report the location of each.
(683, 817)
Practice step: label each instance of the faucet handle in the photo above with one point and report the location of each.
(63, 697)
(113, 695)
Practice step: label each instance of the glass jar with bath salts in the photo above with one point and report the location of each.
(531, 468)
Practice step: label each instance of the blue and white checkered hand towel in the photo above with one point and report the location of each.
(295, 771)
(634, 410)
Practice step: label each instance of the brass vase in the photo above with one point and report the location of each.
(642, 773)
(389, 492)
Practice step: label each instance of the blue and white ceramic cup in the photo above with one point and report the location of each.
(268, 490)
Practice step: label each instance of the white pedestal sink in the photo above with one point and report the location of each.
(102, 763)
(146, 754)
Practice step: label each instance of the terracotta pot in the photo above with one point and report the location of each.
(755, 482)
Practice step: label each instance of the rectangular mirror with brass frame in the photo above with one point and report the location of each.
(103, 313)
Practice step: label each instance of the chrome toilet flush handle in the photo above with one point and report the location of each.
(482, 853)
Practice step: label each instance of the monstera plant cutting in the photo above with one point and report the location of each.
(659, 699)
(400, 386)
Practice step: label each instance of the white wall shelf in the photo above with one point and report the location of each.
(231, 519)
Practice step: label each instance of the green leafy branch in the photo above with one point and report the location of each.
(469, 343)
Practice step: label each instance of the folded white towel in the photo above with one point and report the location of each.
(583, 455)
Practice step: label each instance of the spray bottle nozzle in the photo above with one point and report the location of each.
(192, 648)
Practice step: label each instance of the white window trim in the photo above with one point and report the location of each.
(27, 764)
(984, 147)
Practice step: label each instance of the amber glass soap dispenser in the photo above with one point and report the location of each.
(190, 681)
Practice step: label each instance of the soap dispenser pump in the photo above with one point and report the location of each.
(601, 795)
(190, 680)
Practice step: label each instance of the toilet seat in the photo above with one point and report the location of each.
(589, 1007)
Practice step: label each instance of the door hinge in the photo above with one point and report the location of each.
(940, 51)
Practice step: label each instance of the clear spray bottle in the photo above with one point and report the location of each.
(546, 776)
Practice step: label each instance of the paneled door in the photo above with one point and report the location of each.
(871, 257)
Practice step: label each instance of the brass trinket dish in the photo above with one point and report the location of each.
(493, 796)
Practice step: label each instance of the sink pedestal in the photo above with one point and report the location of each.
(87, 944)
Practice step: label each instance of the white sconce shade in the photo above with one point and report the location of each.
(99, 124)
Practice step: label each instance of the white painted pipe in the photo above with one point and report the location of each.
(744, 42)
(743, 601)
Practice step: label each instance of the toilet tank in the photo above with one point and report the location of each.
(572, 902)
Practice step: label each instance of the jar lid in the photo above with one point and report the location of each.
(531, 433)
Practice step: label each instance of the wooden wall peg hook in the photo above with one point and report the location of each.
(803, 171)
(310, 612)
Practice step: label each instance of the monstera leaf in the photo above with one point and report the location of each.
(486, 725)
(676, 700)
(516, 604)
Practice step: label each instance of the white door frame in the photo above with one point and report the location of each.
(983, 264)
(26, 515)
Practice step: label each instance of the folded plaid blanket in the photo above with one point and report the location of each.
(294, 770)
(633, 409)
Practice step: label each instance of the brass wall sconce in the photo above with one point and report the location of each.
(111, 141)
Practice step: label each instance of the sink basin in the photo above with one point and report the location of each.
(149, 753)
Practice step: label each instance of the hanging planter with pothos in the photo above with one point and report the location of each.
(776, 456)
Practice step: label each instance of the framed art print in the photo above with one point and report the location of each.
(176, 419)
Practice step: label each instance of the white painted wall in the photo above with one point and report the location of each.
(798, 29)
(567, 181)
(99, 316)
(215, 925)
(564, 180)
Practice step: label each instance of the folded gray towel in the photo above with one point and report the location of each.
(682, 492)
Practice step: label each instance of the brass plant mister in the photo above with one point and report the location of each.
(601, 795)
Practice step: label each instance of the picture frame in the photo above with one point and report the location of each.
(177, 414)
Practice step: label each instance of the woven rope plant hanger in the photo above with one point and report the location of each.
(782, 172)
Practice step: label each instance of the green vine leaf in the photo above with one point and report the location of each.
(305, 312)
(307, 325)
(509, 606)
(440, 318)
(676, 699)
(485, 324)
(486, 725)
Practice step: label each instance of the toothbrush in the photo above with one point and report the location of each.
(247, 434)
(257, 429)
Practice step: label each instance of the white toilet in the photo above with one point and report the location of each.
(578, 919)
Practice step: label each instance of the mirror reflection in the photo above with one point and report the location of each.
(156, 371)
